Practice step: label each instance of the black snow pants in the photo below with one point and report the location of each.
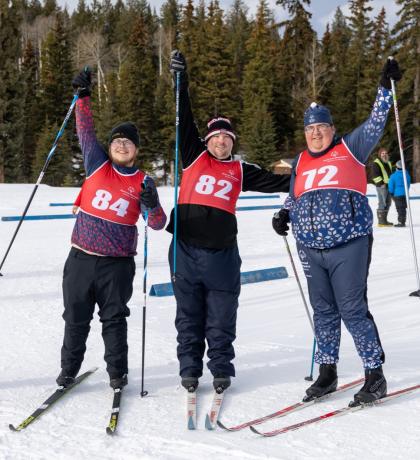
(108, 282)
(206, 287)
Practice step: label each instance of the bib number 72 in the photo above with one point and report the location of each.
(206, 186)
(327, 172)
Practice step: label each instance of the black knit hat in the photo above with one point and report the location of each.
(125, 130)
(219, 125)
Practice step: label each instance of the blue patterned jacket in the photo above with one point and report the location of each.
(327, 218)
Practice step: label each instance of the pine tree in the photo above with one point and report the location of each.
(298, 39)
(138, 81)
(55, 95)
(50, 7)
(238, 31)
(32, 114)
(217, 83)
(11, 91)
(358, 87)
(338, 93)
(406, 39)
(164, 139)
(258, 92)
(57, 174)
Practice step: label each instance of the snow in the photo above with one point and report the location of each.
(273, 350)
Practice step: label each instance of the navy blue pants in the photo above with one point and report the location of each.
(206, 287)
(108, 282)
(337, 283)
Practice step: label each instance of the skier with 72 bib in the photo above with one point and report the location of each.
(332, 223)
(207, 276)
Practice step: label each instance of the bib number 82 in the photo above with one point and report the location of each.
(206, 185)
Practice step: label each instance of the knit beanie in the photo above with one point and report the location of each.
(317, 114)
(398, 164)
(127, 130)
(219, 125)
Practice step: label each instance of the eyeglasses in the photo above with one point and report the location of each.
(122, 143)
(322, 127)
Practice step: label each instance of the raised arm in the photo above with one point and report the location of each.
(191, 145)
(93, 153)
(364, 138)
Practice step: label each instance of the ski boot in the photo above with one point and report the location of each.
(374, 388)
(324, 384)
(118, 382)
(189, 383)
(382, 219)
(65, 379)
(221, 383)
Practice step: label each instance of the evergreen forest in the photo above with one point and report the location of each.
(260, 73)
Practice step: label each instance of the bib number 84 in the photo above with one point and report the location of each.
(102, 202)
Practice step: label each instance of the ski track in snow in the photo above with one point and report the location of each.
(273, 351)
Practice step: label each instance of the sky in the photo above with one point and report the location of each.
(322, 10)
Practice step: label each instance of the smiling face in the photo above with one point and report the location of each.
(220, 146)
(384, 156)
(123, 152)
(319, 136)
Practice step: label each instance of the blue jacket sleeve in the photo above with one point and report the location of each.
(365, 137)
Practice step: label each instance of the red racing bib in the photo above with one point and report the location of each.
(111, 195)
(337, 168)
(211, 182)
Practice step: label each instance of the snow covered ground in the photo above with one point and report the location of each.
(273, 350)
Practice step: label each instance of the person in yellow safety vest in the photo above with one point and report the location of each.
(382, 169)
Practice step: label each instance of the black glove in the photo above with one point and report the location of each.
(280, 221)
(178, 63)
(391, 70)
(149, 196)
(82, 82)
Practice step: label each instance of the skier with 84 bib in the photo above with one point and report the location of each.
(332, 223)
(207, 276)
(100, 267)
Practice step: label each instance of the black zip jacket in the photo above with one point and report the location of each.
(205, 226)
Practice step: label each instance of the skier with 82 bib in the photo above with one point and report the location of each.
(332, 223)
(100, 267)
(207, 276)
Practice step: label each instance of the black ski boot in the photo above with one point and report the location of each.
(324, 384)
(374, 388)
(118, 382)
(65, 379)
(189, 383)
(221, 383)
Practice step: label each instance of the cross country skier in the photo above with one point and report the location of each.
(332, 223)
(207, 281)
(100, 267)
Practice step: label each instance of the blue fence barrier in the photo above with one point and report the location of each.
(40, 217)
(71, 216)
(254, 276)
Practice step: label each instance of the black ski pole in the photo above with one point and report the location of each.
(41, 176)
